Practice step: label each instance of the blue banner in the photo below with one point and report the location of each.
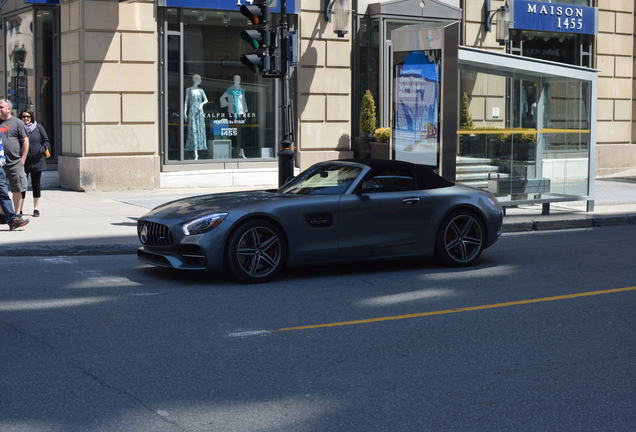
(230, 5)
(553, 17)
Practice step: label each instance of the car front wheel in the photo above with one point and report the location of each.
(460, 239)
(255, 252)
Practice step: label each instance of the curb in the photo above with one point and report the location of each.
(69, 250)
(584, 222)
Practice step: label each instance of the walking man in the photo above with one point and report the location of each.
(7, 213)
(16, 149)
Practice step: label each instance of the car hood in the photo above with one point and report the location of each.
(195, 206)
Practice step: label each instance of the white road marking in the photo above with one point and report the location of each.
(92, 280)
(12, 306)
(59, 260)
(409, 296)
(250, 333)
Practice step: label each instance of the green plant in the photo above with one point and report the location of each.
(527, 137)
(465, 118)
(382, 134)
(367, 113)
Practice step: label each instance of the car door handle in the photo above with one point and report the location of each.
(410, 201)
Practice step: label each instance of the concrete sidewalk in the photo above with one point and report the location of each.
(97, 223)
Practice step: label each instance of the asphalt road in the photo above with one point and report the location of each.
(107, 344)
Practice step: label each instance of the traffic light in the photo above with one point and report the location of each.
(258, 36)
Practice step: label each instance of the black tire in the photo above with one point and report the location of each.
(460, 239)
(255, 251)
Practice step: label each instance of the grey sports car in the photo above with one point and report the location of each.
(349, 210)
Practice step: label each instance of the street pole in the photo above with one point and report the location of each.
(286, 152)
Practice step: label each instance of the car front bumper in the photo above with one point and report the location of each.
(195, 252)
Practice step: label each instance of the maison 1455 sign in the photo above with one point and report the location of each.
(553, 17)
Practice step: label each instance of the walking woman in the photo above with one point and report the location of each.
(36, 159)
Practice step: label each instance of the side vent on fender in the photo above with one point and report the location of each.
(319, 220)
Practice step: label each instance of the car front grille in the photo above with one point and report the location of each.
(156, 234)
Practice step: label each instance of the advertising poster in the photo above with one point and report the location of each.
(416, 115)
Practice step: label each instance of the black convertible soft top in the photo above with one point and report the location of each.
(425, 175)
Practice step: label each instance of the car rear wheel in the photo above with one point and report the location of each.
(255, 252)
(460, 239)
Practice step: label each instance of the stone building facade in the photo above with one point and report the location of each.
(111, 122)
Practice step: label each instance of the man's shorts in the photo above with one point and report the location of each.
(17, 178)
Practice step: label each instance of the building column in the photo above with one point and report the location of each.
(109, 95)
(324, 88)
(616, 149)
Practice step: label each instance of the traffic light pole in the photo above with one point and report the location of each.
(287, 150)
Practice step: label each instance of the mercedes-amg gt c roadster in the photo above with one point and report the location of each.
(337, 211)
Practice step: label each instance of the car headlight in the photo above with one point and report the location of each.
(203, 224)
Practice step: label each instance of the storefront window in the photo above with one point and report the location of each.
(46, 67)
(32, 58)
(574, 49)
(20, 61)
(217, 108)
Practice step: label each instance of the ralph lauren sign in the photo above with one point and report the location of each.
(553, 17)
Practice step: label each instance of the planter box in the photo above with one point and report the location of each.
(360, 147)
(380, 150)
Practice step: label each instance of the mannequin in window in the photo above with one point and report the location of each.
(195, 99)
(234, 99)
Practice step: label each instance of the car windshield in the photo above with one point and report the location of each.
(323, 180)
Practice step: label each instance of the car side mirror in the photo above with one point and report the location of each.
(370, 186)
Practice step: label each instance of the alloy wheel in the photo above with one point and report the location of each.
(259, 252)
(463, 238)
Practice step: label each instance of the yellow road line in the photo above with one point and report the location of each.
(457, 310)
